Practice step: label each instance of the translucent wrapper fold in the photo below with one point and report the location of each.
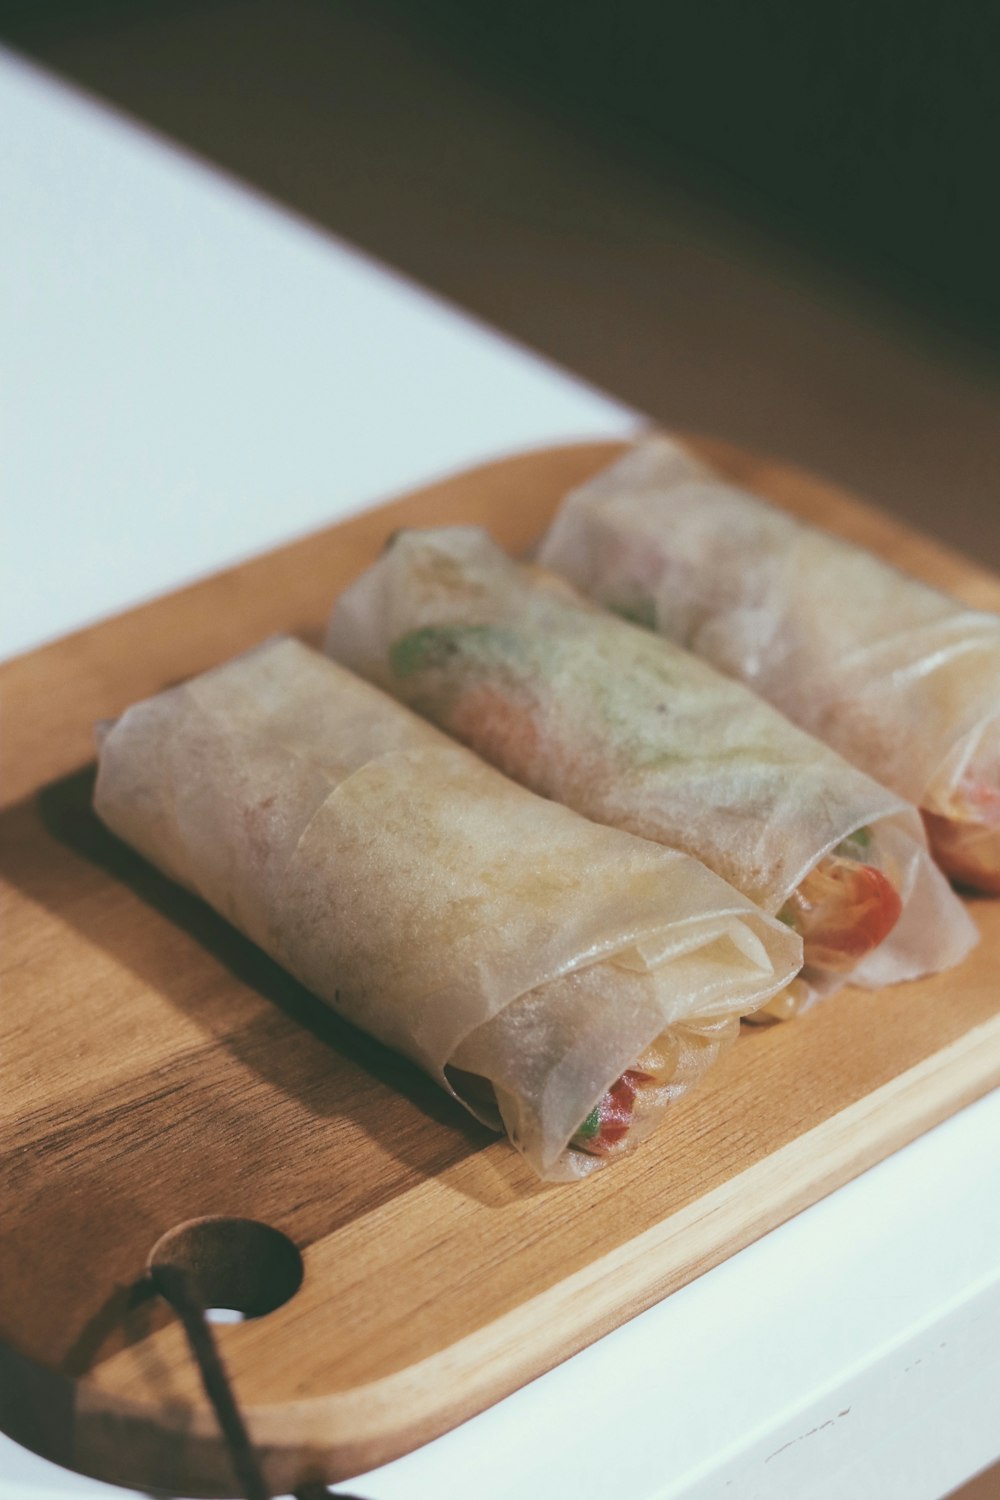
(899, 678)
(635, 732)
(427, 899)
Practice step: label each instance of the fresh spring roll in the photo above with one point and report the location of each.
(901, 679)
(564, 980)
(633, 731)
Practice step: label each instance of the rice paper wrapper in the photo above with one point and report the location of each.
(632, 731)
(420, 893)
(898, 677)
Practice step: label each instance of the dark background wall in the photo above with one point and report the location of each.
(867, 130)
(770, 221)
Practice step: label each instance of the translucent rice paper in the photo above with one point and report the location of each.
(427, 899)
(900, 678)
(632, 731)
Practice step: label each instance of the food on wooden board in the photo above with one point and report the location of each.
(901, 679)
(564, 980)
(631, 730)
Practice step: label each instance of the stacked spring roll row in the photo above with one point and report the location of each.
(634, 732)
(568, 945)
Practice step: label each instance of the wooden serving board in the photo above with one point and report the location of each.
(157, 1068)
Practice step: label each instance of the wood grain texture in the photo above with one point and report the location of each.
(158, 1068)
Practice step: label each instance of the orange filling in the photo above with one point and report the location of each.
(966, 850)
(487, 721)
(842, 910)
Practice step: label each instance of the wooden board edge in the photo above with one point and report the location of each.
(335, 1437)
(133, 653)
(251, 599)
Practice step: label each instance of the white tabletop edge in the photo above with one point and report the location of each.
(193, 374)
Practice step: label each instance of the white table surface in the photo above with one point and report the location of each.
(189, 375)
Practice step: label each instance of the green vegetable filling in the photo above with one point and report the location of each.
(437, 645)
(856, 846)
(637, 612)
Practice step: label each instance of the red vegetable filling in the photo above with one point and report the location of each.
(608, 1123)
(843, 909)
